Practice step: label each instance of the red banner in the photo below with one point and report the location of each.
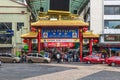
(58, 44)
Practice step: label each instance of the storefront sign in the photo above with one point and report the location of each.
(7, 33)
(59, 40)
(60, 33)
(112, 37)
(57, 44)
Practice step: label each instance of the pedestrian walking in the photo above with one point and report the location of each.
(23, 57)
(58, 56)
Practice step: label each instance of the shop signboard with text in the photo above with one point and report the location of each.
(112, 37)
(7, 33)
(60, 40)
(60, 33)
(59, 44)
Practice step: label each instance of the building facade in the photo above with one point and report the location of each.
(14, 21)
(105, 20)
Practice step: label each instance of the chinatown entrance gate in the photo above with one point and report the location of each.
(57, 29)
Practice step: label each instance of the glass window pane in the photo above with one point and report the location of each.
(20, 25)
(117, 10)
(40, 56)
(106, 10)
(5, 26)
(112, 10)
(112, 24)
(106, 23)
(5, 37)
(34, 55)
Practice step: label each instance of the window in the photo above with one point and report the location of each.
(5, 26)
(34, 54)
(75, 11)
(3, 55)
(40, 56)
(5, 37)
(29, 55)
(5, 40)
(41, 9)
(117, 10)
(19, 25)
(112, 24)
(8, 55)
(112, 10)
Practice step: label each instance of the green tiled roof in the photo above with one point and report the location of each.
(78, 5)
(75, 5)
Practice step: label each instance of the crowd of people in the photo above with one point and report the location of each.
(64, 56)
(67, 57)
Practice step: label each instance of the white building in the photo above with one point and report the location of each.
(105, 20)
(15, 17)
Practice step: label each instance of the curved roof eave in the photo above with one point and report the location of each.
(45, 23)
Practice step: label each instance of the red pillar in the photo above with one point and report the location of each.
(39, 39)
(81, 43)
(30, 45)
(90, 46)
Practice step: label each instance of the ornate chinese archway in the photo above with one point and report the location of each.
(50, 22)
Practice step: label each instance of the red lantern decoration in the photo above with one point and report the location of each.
(95, 40)
(25, 40)
(85, 29)
(33, 29)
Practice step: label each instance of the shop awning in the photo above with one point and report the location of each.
(32, 35)
(90, 35)
(110, 45)
(60, 23)
(115, 49)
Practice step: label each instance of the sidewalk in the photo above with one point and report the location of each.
(79, 71)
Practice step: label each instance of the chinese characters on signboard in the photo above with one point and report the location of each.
(60, 33)
(57, 44)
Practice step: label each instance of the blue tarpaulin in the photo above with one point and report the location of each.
(115, 49)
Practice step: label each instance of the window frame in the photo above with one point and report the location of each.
(109, 11)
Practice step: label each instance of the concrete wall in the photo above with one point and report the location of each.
(96, 13)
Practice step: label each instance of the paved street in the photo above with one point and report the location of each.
(54, 71)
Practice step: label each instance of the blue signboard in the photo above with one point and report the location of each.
(7, 33)
(60, 33)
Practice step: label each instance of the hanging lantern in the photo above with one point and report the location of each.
(33, 29)
(85, 29)
(95, 41)
(25, 40)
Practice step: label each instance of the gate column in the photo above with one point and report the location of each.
(81, 43)
(39, 40)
